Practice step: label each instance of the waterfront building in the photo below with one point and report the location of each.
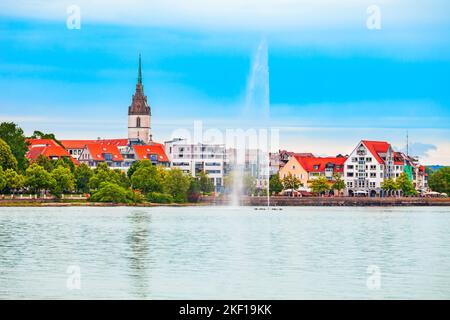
(47, 148)
(370, 163)
(279, 159)
(154, 153)
(254, 162)
(95, 153)
(306, 169)
(196, 158)
(75, 147)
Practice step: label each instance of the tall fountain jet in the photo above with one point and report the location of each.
(255, 114)
(257, 99)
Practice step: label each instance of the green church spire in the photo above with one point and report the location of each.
(140, 71)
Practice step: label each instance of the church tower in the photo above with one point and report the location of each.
(139, 114)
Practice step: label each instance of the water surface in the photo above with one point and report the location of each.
(225, 253)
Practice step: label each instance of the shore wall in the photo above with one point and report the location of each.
(333, 201)
(247, 201)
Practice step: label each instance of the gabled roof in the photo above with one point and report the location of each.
(75, 144)
(79, 144)
(40, 142)
(143, 152)
(47, 148)
(377, 147)
(308, 163)
(98, 150)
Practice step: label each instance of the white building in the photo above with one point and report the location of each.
(196, 158)
(368, 165)
(255, 162)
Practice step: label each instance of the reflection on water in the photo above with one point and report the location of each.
(138, 240)
(222, 253)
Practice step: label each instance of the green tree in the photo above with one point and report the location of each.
(320, 185)
(389, 185)
(147, 178)
(65, 162)
(291, 182)
(339, 183)
(132, 169)
(104, 174)
(249, 184)
(82, 175)
(38, 179)
(275, 185)
(177, 184)
(44, 162)
(206, 184)
(405, 184)
(194, 191)
(40, 135)
(7, 159)
(111, 192)
(3, 180)
(64, 181)
(439, 180)
(14, 137)
(14, 180)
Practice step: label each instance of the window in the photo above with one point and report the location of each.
(293, 167)
(349, 174)
(350, 167)
(354, 159)
(138, 122)
(373, 175)
(316, 167)
(107, 156)
(368, 159)
(372, 167)
(372, 184)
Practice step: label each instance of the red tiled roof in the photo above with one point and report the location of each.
(98, 150)
(34, 153)
(47, 148)
(79, 144)
(376, 147)
(308, 163)
(40, 142)
(143, 152)
(75, 144)
(114, 142)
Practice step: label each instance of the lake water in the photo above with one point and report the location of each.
(225, 253)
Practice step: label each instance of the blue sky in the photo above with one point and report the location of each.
(332, 80)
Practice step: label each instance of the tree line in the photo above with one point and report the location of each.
(143, 181)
